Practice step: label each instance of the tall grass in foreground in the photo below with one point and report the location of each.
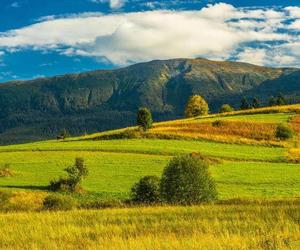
(271, 225)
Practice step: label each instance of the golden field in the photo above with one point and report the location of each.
(253, 225)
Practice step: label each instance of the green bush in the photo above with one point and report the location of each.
(284, 132)
(63, 184)
(146, 190)
(58, 202)
(186, 181)
(255, 103)
(244, 104)
(226, 108)
(71, 183)
(144, 119)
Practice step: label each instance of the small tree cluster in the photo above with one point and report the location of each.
(196, 106)
(245, 104)
(284, 132)
(72, 182)
(277, 101)
(185, 180)
(144, 118)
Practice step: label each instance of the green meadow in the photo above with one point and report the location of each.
(258, 186)
(112, 174)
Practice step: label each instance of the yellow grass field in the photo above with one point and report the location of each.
(253, 225)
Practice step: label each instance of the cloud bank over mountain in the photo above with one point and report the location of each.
(263, 36)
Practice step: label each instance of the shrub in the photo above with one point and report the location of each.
(63, 184)
(226, 108)
(71, 183)
(5, 171)
(218, 123)
(58, 202)
(186, 181)
(272, 101)
(284, 132)
(255, 103)
(146, 190)
(144, 119)
(196, 106)
(281, 100)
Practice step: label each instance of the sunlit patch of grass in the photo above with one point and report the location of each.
(253, 225)
(230, 129)
(294, 154)
(276, 114)
(113, 174)
(295, 123)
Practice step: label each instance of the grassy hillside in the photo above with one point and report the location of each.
(100, 100)
(257, 177)
(251, 165)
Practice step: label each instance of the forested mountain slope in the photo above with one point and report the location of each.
(103, 99)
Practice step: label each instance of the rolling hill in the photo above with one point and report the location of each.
(257, 177)
(100, 100)
(253, 161)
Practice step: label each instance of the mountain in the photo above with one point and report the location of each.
(107, 99)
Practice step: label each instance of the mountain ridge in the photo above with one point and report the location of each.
(106, 99)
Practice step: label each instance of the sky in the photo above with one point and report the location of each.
(41, 38)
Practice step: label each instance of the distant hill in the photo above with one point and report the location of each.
(103, 99)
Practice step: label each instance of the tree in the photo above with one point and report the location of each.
(244, 104)
(255, 103)
(146, 190)
(196, 106)
(226, 108)
(280, 100)
(186, 181)
(72, 182)
(272, 101)
(144, 118)
(284, 132)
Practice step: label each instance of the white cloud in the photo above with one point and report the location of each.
(252, 55)
(294, 12)
(295, 25)
(114, 4)
(217, 31)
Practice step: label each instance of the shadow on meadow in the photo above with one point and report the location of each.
(27, 187)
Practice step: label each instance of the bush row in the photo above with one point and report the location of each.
(185, 181)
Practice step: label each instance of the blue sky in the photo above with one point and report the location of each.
(44, 38)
